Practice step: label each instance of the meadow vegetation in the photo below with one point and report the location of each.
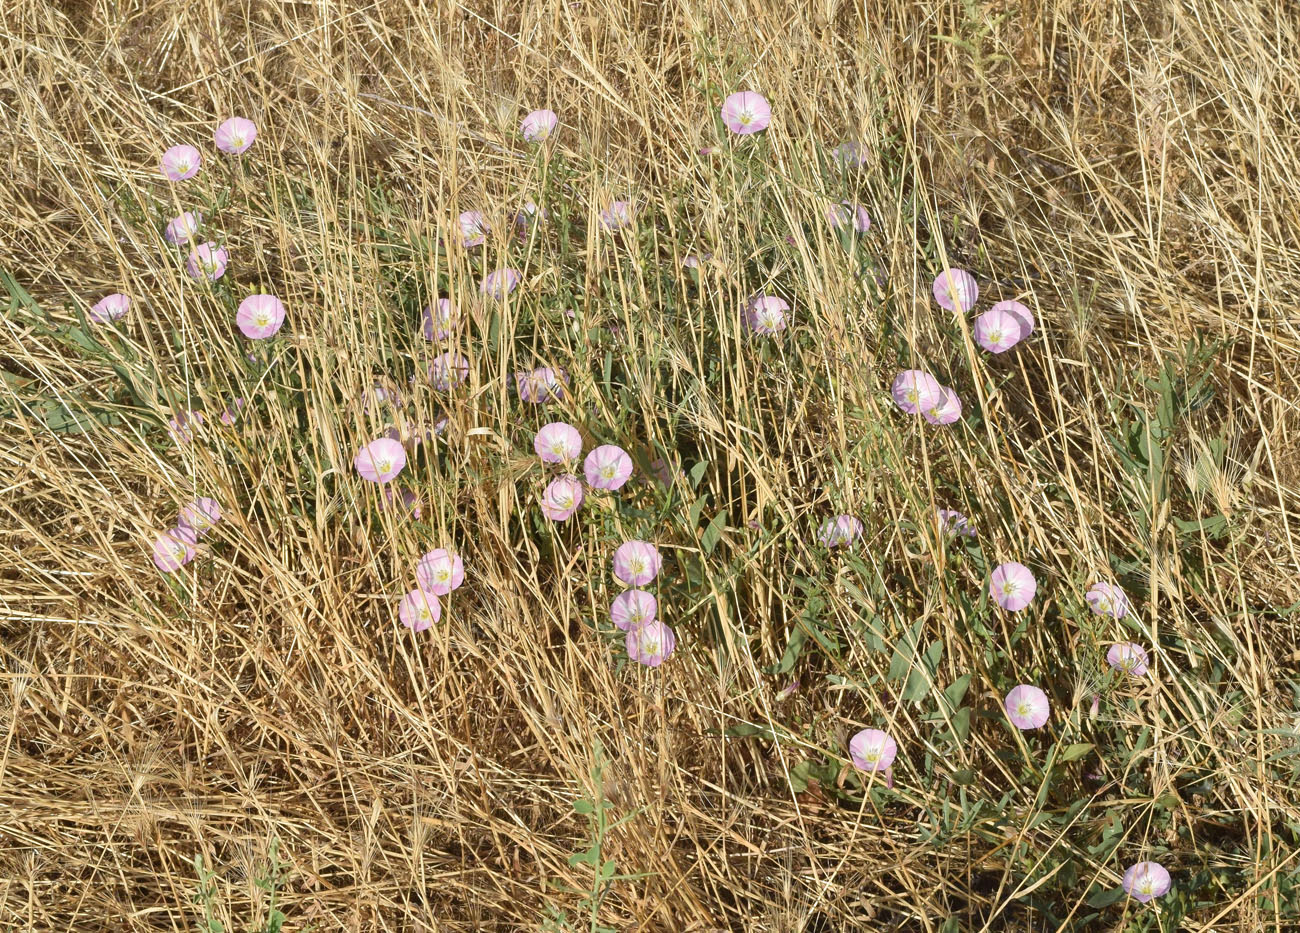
(233, 729)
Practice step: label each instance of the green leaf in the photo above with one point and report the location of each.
(712, 534)
(608, 870)
(918, 686)
(746, 729)
(1075, 751)
(1106, 897)
(697, 473)
(956, 692)
(583, 806)
(793, 648)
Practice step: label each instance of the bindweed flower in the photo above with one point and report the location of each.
(607, 467)
(183, 424)
(946, 410)
(543, 384)
(1012, 586)
(403, 499)
(664, 473)
(1129, 657)
(448, 370)
(235, 135)
(636, 563)
(538, 126)
(473, 228)
(617, 216)
(872, 750)
(260, 316)
(692, 261)
(956, 290)
(112, 307)
(440, 571)
(849, 154)
(997, 331)
(231, 413)
(845, 214)
(1024, 317)
(528, 215)
(382, 392)
(840, 531)
(181, 229)
(180, 163)
(766, 314)
(1146, 880)
(439, 319)
(952, 523)
(173, 549)
(381, 460)
(562, 498)
(746, 112)
(207, 261)
(916, 391)
(650, 644)
(558, 442)
(632, 609)
(200, 516)
(1027, 707)
(500, 282)
(1107, 599)
(419, 610)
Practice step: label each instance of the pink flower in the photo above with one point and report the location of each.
(956, 290)
(692, 261)
(840, 531)
(650, 644)
(562, 498)
(632, 609)
(766, 314)
(916, 391)
(1024, 317)
(448, 370)
(439, 319)
(543, 384)
(528, 214)
(1027, 707)
(235, 135)
(607, 467)
(1146, 880)
(228, 416)
(952, 522)
(473, 228)
(845, 213)
(110, 308)
(200, 516)
(500, 282)
(1107, 599)
(746, 112)
(207, 261)
(419, 610)
(636, 563)
(173, 549)
(558, 442)
(182, 228)
(1129, 657)
(381, 460)
(617, 216)
(391, 497)
(665, 473)
(997, 331)
(440, 571)
(538, 126)
(183, 423)
(1012, 586)
(872, 750)
(946, 410)
(180, 163)
(260, 316)
(850, 154)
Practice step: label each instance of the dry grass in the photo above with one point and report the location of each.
(1132, 167)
